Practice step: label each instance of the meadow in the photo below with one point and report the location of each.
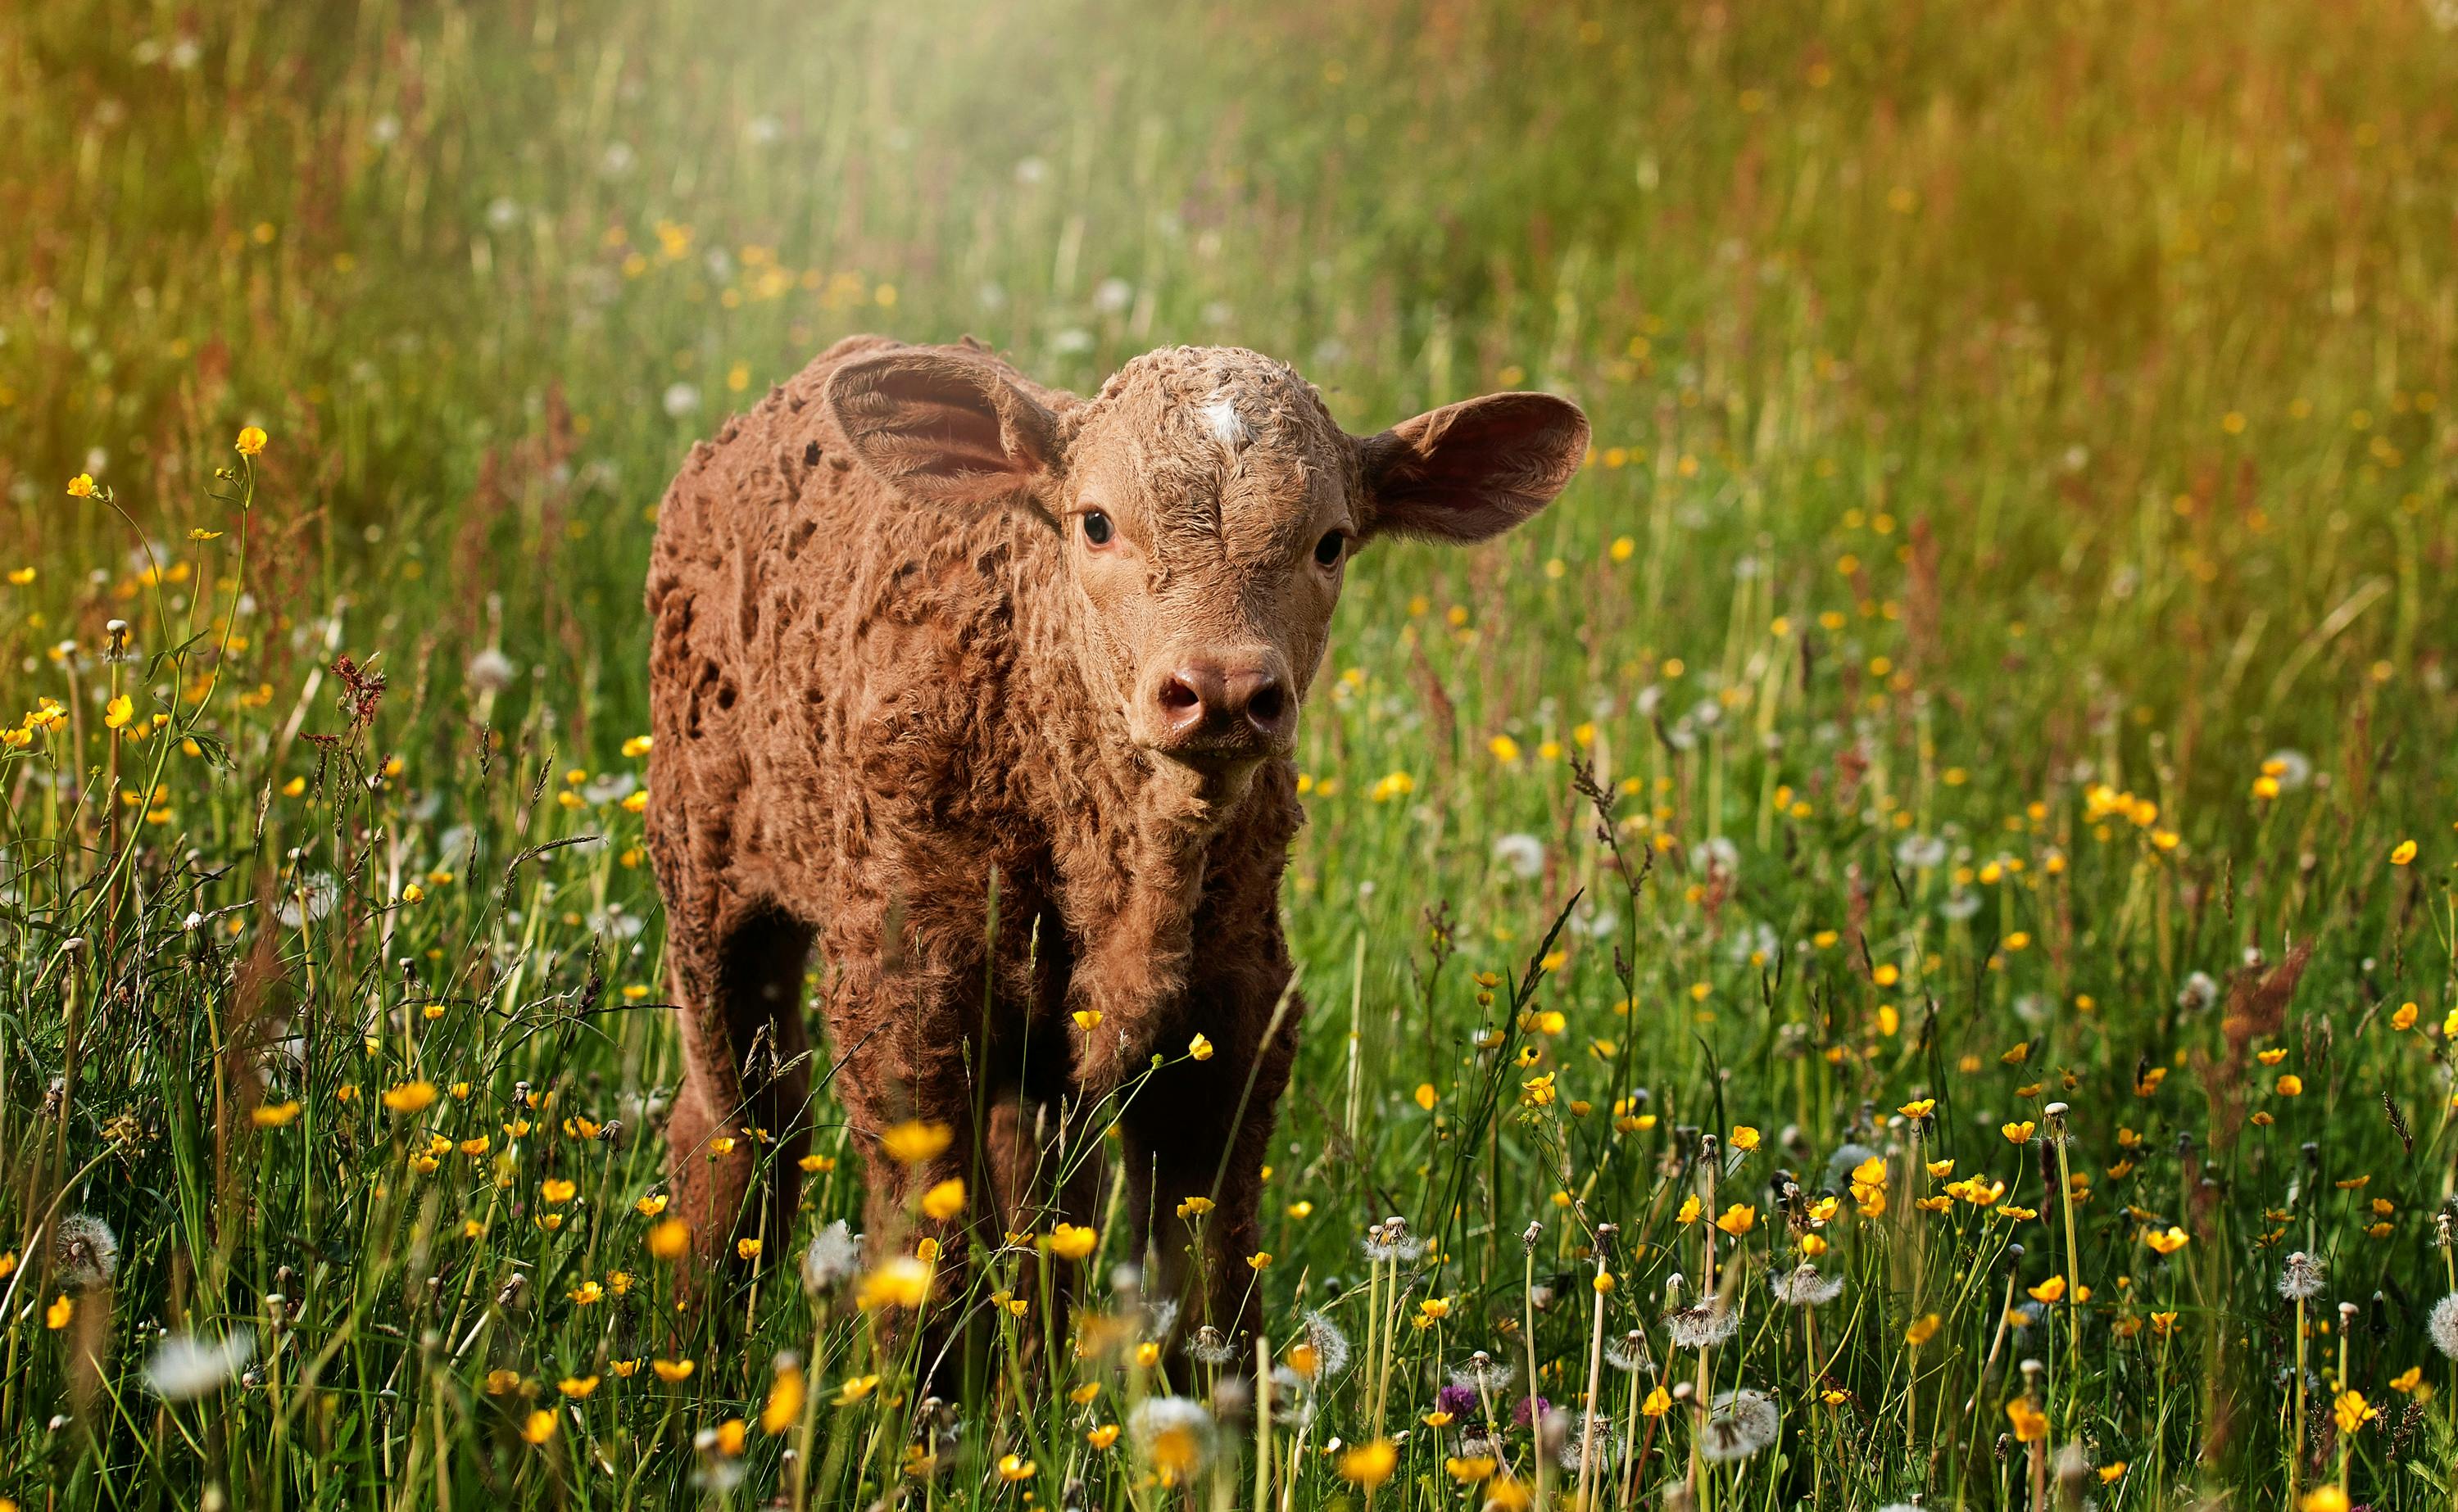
(1895, 947)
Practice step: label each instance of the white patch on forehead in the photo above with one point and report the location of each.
(1220, 418)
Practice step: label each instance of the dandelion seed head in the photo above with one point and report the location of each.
(1739, 1424)
(1703, 1326)
(1329, 1344)
(834, 1256)
(1523, 855)
(1630, 1353)
(2442, 1326)
(85, 1252)
(2300, 1277)
(1210, 1347)
(185, 1367)
(1804, 1286)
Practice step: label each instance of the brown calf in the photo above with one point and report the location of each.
(923, 628)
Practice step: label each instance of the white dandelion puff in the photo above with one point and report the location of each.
(1483, 1372)
(2444, 1325)
(1630, 1353)
(2300, 1277)
(1522, 853)
(1920, 852)
(490, 671)
(1804, 1286)
(1210, 1347)
(1738, 1426)
(1704, 1326)
(185, 1367)
(833, 1258)
(1330, 1345)
(84, 1252)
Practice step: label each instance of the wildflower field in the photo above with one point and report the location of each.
(1895, 946)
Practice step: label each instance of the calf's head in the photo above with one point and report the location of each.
(1209, 507)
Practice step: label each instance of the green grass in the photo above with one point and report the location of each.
(2015, 424)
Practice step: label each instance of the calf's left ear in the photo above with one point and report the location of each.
(1471, 470)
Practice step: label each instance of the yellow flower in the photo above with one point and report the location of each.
(672, 1372)
(1689, 1212)
(903, 1281)
(273, 1115)
(1068, 1242)
(2020, 1133)
(2111, 1474)
(1918, 1107)
(945, 1200)
(577, 1387)
(2407, 1381)
(2166, 1242)
(2353, 1411)
(1744, 1137)
(2404, 1018)
(251, 441)
(670, 1240)
(1199, 1048)
(1259, 1260)
(1012, 1468)
(1659, 1403)
(588, 1293)
(856, 1388)
(1923, 1328)
(1370, 1464)
(1103, 1437)
(1738, 1219)
(2291, 1085)
(748, 1249)
(410, 1097)
(2323, 1498)
(785, 1405)
(56, 1316)
(2050, 1290)
(81, 486)
(2403, 854)
(1505, 749)
(1426, 1094)
(1194, 1207)
(912, 1142)
(555, 1190)
(2163, 1323)
(2030, 1423)
(1087, 1018)
(540, 1426)
(730, 1435)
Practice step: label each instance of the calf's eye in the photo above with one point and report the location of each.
(1096, 528)
(1327, 549)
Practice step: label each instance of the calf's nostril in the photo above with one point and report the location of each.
(1178, 696)
(1265, 704)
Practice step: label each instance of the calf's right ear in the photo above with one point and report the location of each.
(946, 427)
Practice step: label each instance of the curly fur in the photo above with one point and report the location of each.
(881, 687)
